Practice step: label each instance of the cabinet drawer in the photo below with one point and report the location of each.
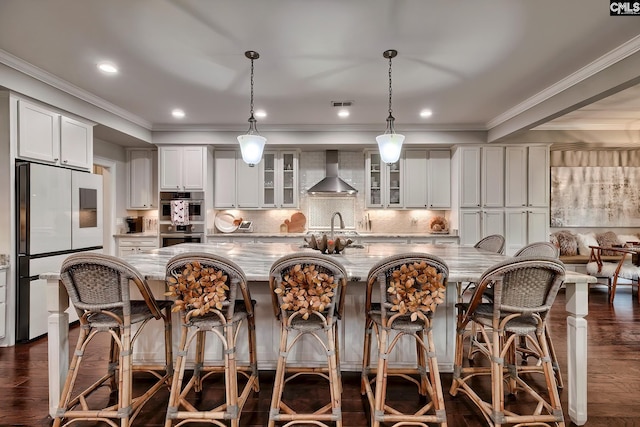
(147, 242)
(123, 252)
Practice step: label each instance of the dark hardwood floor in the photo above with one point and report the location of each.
(614, 377)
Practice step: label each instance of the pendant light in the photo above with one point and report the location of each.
(252, 144)
(390, 143)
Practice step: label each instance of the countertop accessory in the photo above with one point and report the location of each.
(390, 142)
(225, 222)
(297, 223)
(246, 226)
(438, 225)
(252, 144)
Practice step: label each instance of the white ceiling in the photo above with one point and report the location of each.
(474, 63)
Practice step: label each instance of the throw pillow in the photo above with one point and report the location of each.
(567, 243)
(607, 240)
(584, 241)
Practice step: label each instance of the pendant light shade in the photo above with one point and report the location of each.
(251, 147)
(390, 142)
(252, 144)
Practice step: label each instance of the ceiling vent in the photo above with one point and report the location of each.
(341, 103)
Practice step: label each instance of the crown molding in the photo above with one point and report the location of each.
(621, 52)
(612, 126)
(44, 76)
(240, 129)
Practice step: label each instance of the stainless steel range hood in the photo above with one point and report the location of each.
(331, 183)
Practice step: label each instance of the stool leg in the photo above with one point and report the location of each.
(253, 350)
(381, 376)
(178, 374)
(366, 355)
(437, 396)
(72, 374)
(230, 375)
(334, 375)
(125, 385)
(278, 382)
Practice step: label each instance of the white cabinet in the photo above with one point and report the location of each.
(439, 179)
(3, 303)
(236, 184)
(492, 177)
(476, 224)
(524, 227)
(136, 245)
(527, 176)
(418, 180)
(142, 190)
(469, 177)
(183, 168)
(50, 137)
(384, 182)
(279, 175)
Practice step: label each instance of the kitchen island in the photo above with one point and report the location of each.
(465, 264)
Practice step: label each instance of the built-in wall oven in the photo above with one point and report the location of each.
(175, 234)
(195, 200)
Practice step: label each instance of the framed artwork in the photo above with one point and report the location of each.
(595, 196)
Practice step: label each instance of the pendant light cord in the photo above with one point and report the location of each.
(390, 90)
(251, 107)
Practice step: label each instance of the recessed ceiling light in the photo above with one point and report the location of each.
(426, 113)
(261, 114)
(343, 113)
(107, 67)
(177, 113)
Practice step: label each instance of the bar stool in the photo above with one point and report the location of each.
(98, 287)
(410, 286)
(308, 296)
(524, 289)
(206, 287)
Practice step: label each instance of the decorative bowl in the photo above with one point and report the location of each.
(325, 245)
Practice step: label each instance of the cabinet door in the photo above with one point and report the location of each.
(416, 171)
(248, 185)
(516, 177)
(288, 179)
(470, 177)
(140, 179)
(537, 225)
(224, 179)
(393, 184)
(538, 176)
(76, 143)
(171, 162)
(194, 167)
(439, 179)
(492, 222)
(516, 230)
(268, 167)
(38, 133)
(470, 227)
(493, 177)
(373, 178)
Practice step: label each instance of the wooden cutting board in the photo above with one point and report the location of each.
(297, 223)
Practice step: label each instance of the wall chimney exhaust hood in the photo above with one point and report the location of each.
(331, 183)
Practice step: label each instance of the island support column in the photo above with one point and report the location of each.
(58, 340)
(577, 305)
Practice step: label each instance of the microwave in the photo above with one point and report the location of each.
(195, 200)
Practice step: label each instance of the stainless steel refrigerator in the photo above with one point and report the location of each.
(59, 212)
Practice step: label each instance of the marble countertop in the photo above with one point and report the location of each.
(255, 259)
(142, 234)
(351, 236)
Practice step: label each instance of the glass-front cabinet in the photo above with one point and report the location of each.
(383, 182)
(280, 179)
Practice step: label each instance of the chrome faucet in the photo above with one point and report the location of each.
(333, 217)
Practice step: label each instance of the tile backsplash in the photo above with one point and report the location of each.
(318, 209)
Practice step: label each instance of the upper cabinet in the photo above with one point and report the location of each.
(469, 177)
(439, 179)
(279, 173)
(142, 189)
(47, 136)
(420, 179)
(383, 182)
(183, 168)
(236, 184)
(527, 176)
(273, 183)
